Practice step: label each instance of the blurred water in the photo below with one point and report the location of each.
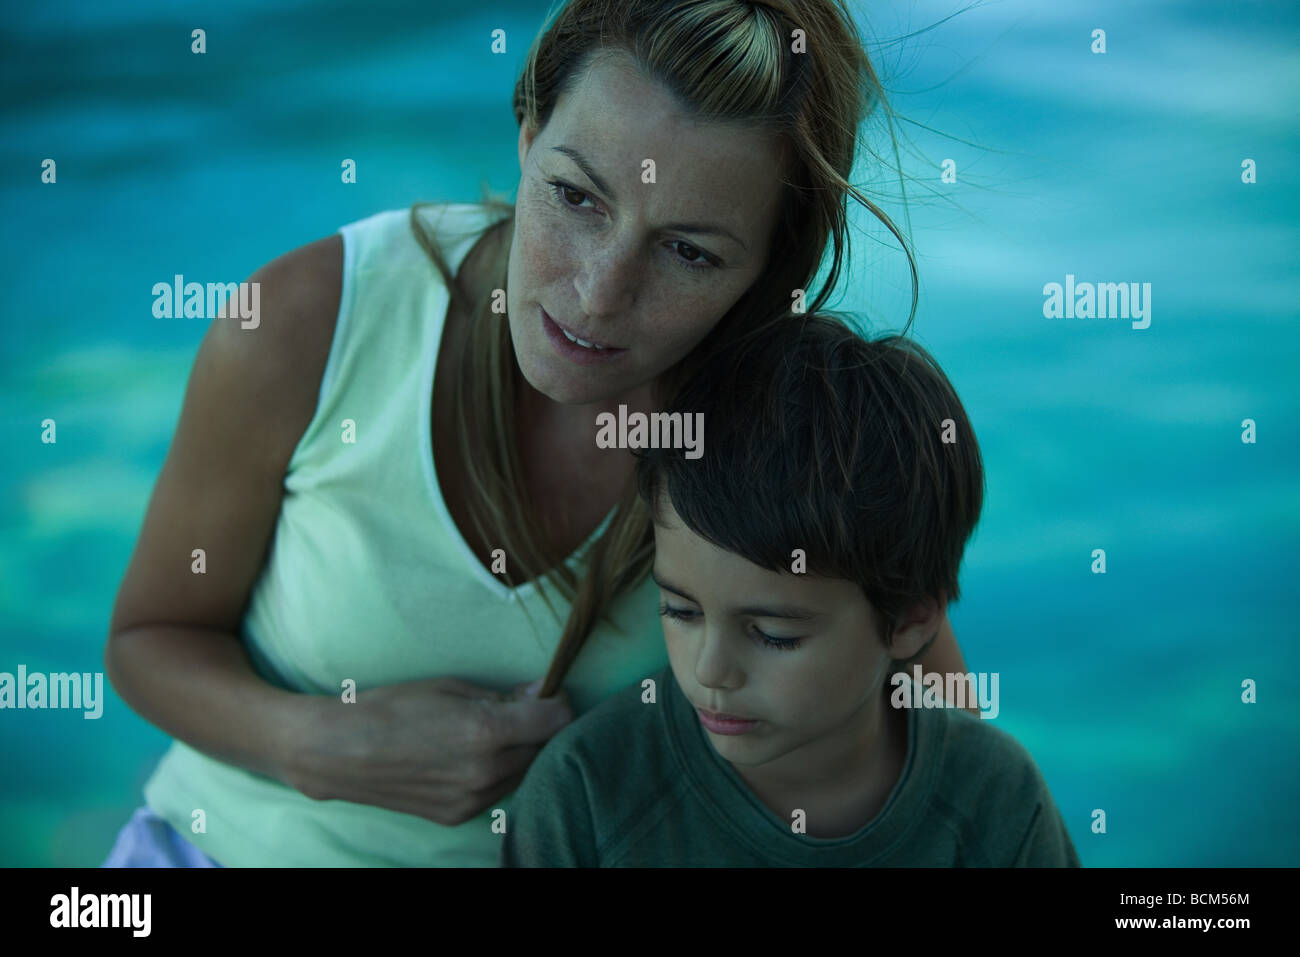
(1116, 167)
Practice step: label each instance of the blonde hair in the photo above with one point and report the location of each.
(726, 61)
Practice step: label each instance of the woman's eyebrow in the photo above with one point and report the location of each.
(706, 229)
(767, 611)
(583, 165)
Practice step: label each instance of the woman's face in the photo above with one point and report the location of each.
(644, 265)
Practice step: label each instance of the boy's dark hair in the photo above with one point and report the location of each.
(819, 439)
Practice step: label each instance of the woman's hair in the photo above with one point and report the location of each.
(793, 68)
(855, 451)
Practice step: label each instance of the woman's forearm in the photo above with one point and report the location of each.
(199, 686)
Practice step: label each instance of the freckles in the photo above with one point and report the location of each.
(545, 248)
(680, 314)
(545, 208)
(549, 257)
(535, 222)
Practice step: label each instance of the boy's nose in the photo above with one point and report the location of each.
(716, 665)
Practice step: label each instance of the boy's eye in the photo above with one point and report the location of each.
(668, 611)
(685, 614)
(781, 644)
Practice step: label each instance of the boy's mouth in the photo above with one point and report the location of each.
(725, 723)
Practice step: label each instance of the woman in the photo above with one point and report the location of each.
(392, 483)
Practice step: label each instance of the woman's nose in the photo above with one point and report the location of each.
(608, 278)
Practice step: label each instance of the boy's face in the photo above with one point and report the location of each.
(811, 703)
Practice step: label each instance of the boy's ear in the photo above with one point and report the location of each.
(918, 629)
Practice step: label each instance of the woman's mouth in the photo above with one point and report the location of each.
(576, 348)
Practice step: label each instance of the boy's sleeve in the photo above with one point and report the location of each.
(550, 823)
(1046, 842)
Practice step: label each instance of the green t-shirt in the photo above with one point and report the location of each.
(640, 785)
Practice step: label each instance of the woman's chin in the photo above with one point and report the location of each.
(558, 387)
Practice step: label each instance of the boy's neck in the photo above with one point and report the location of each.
(842, 781)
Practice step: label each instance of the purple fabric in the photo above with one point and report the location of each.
(149, 841)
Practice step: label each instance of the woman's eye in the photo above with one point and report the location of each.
(565, 194)
(690, 256)
(684, 254)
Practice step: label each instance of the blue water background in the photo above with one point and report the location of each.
(1126, 687)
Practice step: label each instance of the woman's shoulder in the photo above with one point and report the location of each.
(262, 379)
(399, 238)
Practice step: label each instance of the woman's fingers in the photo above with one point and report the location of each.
(527, 720)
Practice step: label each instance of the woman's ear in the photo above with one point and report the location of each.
(526, 136)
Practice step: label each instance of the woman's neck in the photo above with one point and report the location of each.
(535, 411)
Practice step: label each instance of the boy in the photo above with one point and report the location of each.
(806, 557)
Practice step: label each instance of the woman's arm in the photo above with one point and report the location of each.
(943, 656)
(438, 748)
(173, 652)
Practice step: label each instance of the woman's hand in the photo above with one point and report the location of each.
(439, 748)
